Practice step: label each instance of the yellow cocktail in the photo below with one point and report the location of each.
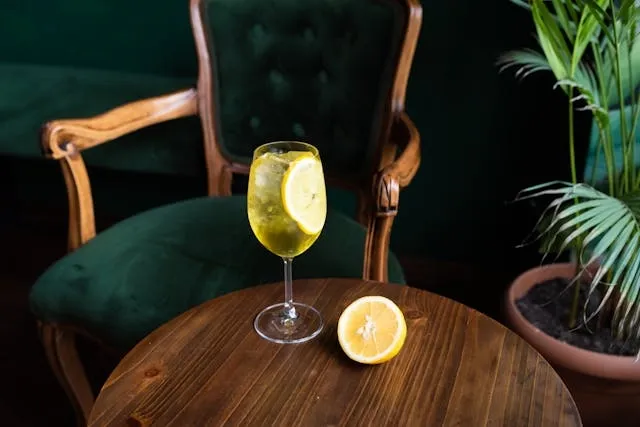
(271, 219)
(287, 208)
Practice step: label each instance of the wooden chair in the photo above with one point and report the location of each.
(329, 72)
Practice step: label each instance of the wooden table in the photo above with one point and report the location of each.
(209, 368)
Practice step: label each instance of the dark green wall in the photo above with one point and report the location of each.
(484, 135)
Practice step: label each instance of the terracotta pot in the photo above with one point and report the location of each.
(606, 388)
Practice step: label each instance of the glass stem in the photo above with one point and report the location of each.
(289, 308)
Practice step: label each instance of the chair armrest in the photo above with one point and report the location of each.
(398, 174)
(405, 135)
(64, 137)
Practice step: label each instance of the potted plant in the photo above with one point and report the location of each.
(584, 316)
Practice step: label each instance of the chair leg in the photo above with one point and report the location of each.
(377, 249)
(60, 348)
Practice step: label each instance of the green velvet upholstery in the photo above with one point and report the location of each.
(313, 70)
(151, 267)
(38, 94)
(142, 36)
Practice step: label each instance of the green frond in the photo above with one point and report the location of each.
(522, 3)
(593, 21)
(608, 231)
(629, 71)
(526, 61)
(552, 40)
(572, 10)
(563, 17)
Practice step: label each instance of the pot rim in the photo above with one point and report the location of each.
(558, 352)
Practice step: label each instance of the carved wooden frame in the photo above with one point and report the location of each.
(378, 199)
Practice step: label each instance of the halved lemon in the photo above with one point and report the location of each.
(372, 330)
(303, 193)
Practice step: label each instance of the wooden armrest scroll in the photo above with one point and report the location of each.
(401, 171)
(61, 138)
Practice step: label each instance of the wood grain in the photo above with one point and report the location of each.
(457, 368)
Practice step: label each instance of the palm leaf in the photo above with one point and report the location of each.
(563, 16)
(593, 20)
(572, 9)
(552, 40)
(526, 61)
(630, 60)
(522, 3)
(589, 94)
(610, 228)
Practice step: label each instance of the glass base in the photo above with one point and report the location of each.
(275, 325)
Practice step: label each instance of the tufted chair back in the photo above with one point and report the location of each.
(327, 72)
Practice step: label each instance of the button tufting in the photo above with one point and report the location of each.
(258, 39)
(309, 35)
(254, 122)
(257, 31)
(276, 77)
(323, 76)
(298, 130)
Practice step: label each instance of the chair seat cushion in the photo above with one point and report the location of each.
(149, 268)
(34, 94)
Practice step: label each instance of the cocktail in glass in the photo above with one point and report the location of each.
(287, 208)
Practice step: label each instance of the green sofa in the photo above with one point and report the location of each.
(64, 60)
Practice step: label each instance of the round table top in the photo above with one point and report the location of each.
(209, 367)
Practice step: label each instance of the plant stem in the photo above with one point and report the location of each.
(605, 136)
(594, 167)
(627, 164)
(636, 111)
(634, 108)
(573, 314)
(572, 149)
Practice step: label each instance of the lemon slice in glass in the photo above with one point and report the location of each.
(372, 330)
(303, 193)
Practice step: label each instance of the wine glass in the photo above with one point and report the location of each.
(287, 208)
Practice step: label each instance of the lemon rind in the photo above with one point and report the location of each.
(398, 339)
(286, 182)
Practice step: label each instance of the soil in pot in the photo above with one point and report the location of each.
(547, 306)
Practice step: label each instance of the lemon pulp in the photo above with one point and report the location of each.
(372, 330)
(304, 193)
